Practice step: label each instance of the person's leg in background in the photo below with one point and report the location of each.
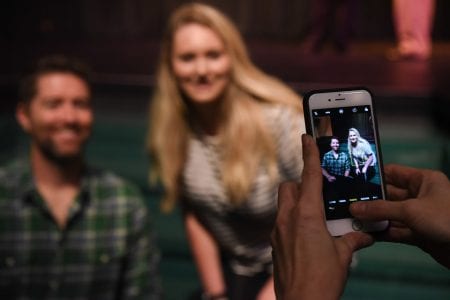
(413, 21)
(319, 26)
(343, 24)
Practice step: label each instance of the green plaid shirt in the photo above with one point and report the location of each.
(336, 166)
(106, 250)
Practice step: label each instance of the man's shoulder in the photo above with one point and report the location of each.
(108, 184)
(15, 181)
(109, 179)
(105, 176)
(328, 154)
(14, 174)
(343, 154)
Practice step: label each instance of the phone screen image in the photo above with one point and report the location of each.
(348, 156)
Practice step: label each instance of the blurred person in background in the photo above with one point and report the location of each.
(222, 136)
(67, 230)
(331, 21)
(413, 22)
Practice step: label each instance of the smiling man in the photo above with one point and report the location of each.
(335, 163)
(66, 230)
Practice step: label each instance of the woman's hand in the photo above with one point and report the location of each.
(364, 170)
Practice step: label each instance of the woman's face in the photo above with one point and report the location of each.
(200, 63)
(352, 137)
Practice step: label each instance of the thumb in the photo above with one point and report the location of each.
(353, 241)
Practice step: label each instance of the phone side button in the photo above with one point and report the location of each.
(357, 225)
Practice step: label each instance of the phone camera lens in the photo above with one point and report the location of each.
(329, 99)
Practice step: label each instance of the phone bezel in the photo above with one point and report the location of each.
(346, 97)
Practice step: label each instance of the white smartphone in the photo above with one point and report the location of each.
(344, 126)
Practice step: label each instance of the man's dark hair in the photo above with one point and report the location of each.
(47, 65)
(334, 138)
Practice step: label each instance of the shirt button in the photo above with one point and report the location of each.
(10, 261)
(104, 258)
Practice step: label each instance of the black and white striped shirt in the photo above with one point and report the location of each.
(243, 232)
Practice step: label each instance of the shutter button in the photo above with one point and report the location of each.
(357, 225)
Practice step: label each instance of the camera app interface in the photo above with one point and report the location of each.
(348, 156)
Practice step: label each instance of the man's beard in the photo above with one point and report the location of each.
(49, 151)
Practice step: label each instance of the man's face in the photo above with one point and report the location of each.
(334, 145)
(59, 117)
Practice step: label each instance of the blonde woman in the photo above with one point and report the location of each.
(222, 136)
(361, 154)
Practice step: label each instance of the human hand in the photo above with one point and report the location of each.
(308, 262)
(357, 171)
(420, 212)
(364, 170)
(331, 178)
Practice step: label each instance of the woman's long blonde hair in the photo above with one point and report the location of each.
(245, 139)
(359, 141)
(358, 149)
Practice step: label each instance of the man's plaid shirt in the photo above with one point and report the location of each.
(106, 250)
(336, 166)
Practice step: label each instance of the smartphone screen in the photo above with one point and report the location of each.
(343, 123)
(349, 157)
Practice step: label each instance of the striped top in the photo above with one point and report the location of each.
(243, 232)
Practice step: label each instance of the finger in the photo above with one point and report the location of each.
(404, 177)
(379, 210)
(397, 235)
(353, 241)
(397, 224)
(312, 174)
(287, 196)
(395, 193)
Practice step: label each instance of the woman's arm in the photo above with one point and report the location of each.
(206, 256)
(367, 163)
(267, 291)
(357, 171)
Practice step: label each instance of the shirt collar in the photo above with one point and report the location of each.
(26, 187)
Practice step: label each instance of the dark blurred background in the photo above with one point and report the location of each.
(120, 40)
(121, 37)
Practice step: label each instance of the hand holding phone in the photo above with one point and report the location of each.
(344, 126)
(308, 262)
